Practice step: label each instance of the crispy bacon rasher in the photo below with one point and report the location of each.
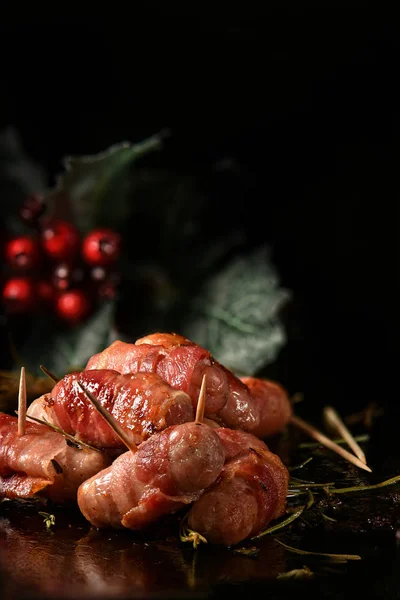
(142, 403)
(257, 406)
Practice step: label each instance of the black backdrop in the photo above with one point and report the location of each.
(306, 99)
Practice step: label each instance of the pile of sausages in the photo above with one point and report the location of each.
(220, 469)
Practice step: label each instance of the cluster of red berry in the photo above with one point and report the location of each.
(53, 268)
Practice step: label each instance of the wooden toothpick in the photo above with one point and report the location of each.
(201, 403)
(113, 423)
(325, 441)
(49, 374)
(333, 420)
(22, 404)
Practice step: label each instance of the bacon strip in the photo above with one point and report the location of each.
(169, 470)
(250, 492)
(142, 403)
(257, 406)
(42, 461)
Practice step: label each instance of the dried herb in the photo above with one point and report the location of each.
(281, 524)
(364, 488)
(49, 374)
(301, 465)
(310, 500)
(313, 485)
(191, 576)
(335, 557)
(304, 573)
(73, 440)
(49, 520)
(324, 516)
(359, 438)
(301, 480)
(296, 398)
(250, 551)
(188, 535)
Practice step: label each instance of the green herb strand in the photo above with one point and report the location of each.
(69, 437)
(282, 524)
(313, 485)
(337, 557)
(301, 465)
(359, 438)
(362, 488)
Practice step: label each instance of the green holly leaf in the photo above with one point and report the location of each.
(62, 349)
(236, 313)
(94, 190)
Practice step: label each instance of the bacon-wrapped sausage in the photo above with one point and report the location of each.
(182, 364)
(142, 403)
(250, 492)
(169, 470)
(43, 461)
(272, 403)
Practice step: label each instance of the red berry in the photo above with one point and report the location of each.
(73, 306)
(101, 247)
(32, 209)
(19, 295)
(60, 240)
(23, 252)
(45, 292)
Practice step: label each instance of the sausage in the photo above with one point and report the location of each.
(142, 403)
(182, 364)
(273, 405)
(169, 470)
(42, 461)
(250, 492)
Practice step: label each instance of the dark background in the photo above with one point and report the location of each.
(305, 99)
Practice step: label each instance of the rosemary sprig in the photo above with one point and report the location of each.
(301, 465)
(281, 524)
(69, 437)
(336, 557)
(292, 493)
(295, 515)
(313, 485)
(359, 438)
(326, 517)
(292, 478)
(310, 500)
(363, 488)
(49, 374)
